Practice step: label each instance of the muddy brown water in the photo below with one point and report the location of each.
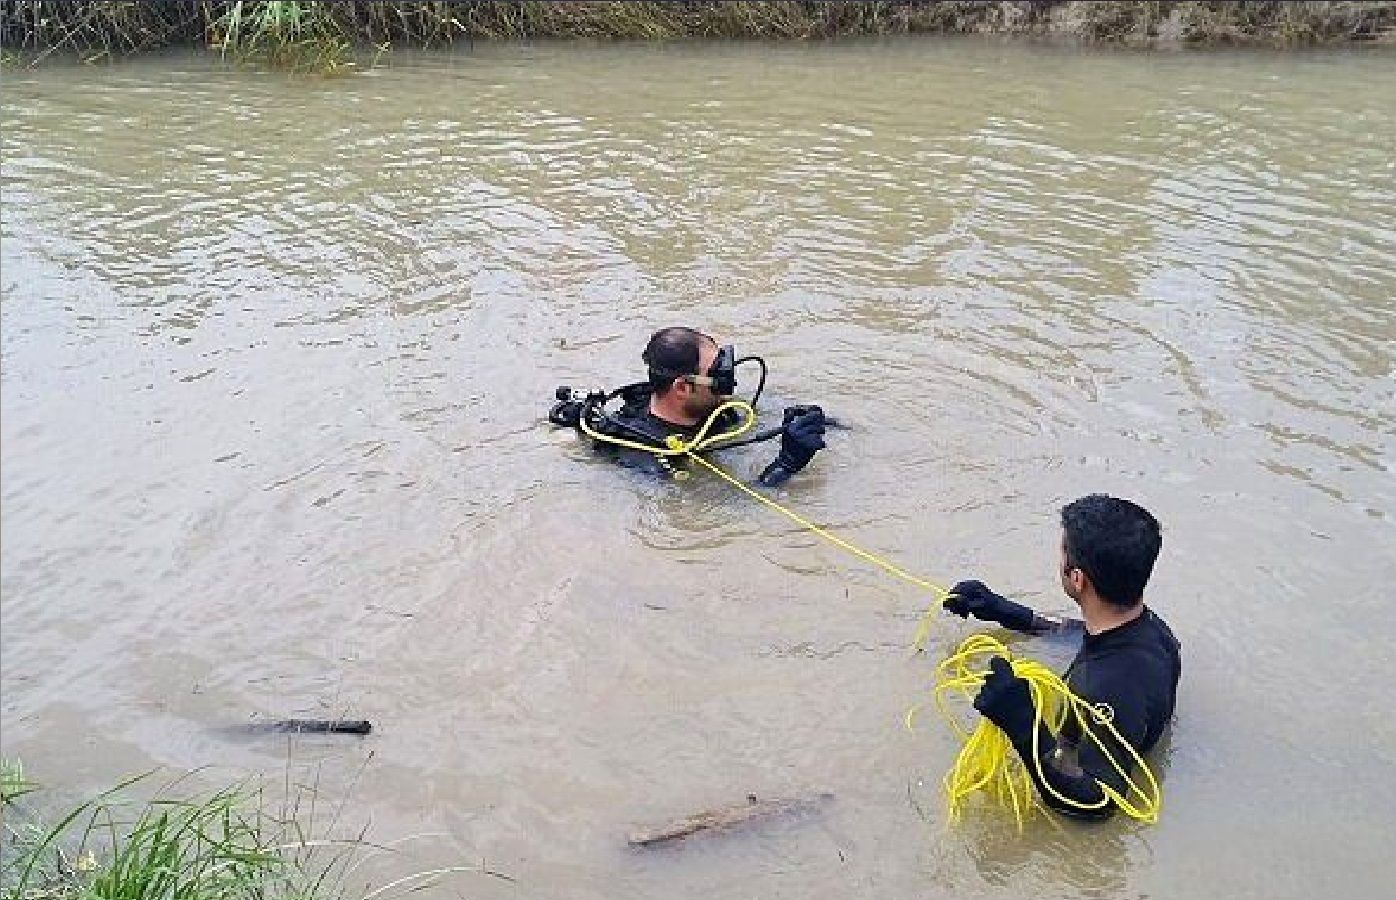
(276, 351)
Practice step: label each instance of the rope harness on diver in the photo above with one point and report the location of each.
(987, 761)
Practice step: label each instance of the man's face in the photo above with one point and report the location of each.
(699, 399)
(1073, 579)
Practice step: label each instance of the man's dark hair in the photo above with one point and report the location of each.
(671, 353)
(1115, 542)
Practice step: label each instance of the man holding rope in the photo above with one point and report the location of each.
(1129, 662)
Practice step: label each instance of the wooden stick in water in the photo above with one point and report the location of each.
(724, 817)
(310, 726)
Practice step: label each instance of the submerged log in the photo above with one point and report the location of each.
(725, 817)
(308, 726)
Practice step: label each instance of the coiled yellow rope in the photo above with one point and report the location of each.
(987, 761)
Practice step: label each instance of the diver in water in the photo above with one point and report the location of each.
(1129, 659)
(690, 376)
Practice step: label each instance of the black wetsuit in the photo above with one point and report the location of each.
(1134, 669)
(640, 425)
(634, 422)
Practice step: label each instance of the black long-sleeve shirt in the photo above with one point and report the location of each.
(1134, 669)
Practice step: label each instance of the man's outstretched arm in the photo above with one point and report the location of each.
(973, 598)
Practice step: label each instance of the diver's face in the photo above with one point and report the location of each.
(699, 399)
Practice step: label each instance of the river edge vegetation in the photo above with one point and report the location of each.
(327, 36)
(142, 841)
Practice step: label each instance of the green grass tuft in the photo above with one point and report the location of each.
(284, 34)
(13, 784)
(231, 844)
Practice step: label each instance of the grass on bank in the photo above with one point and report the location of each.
(324, 36)
(227, 845)
(283, 34)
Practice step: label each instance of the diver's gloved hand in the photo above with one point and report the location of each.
(1006, 701)
(802, 437)
(566, 413)
(973, 598)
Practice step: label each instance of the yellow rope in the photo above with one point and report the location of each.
(677, 446)
(701, 441)
(987, 761)
(866, 555)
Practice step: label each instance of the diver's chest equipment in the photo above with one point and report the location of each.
(629, 420)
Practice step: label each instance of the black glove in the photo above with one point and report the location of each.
(802, 437)
(566, 413)
(973, 598)
(1005, 700)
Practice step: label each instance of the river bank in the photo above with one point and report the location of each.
(94, 29)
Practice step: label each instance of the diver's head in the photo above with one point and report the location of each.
(1109, 547)
(680, 362)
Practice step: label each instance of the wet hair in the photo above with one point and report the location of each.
(1115, 542)
(672, 353)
